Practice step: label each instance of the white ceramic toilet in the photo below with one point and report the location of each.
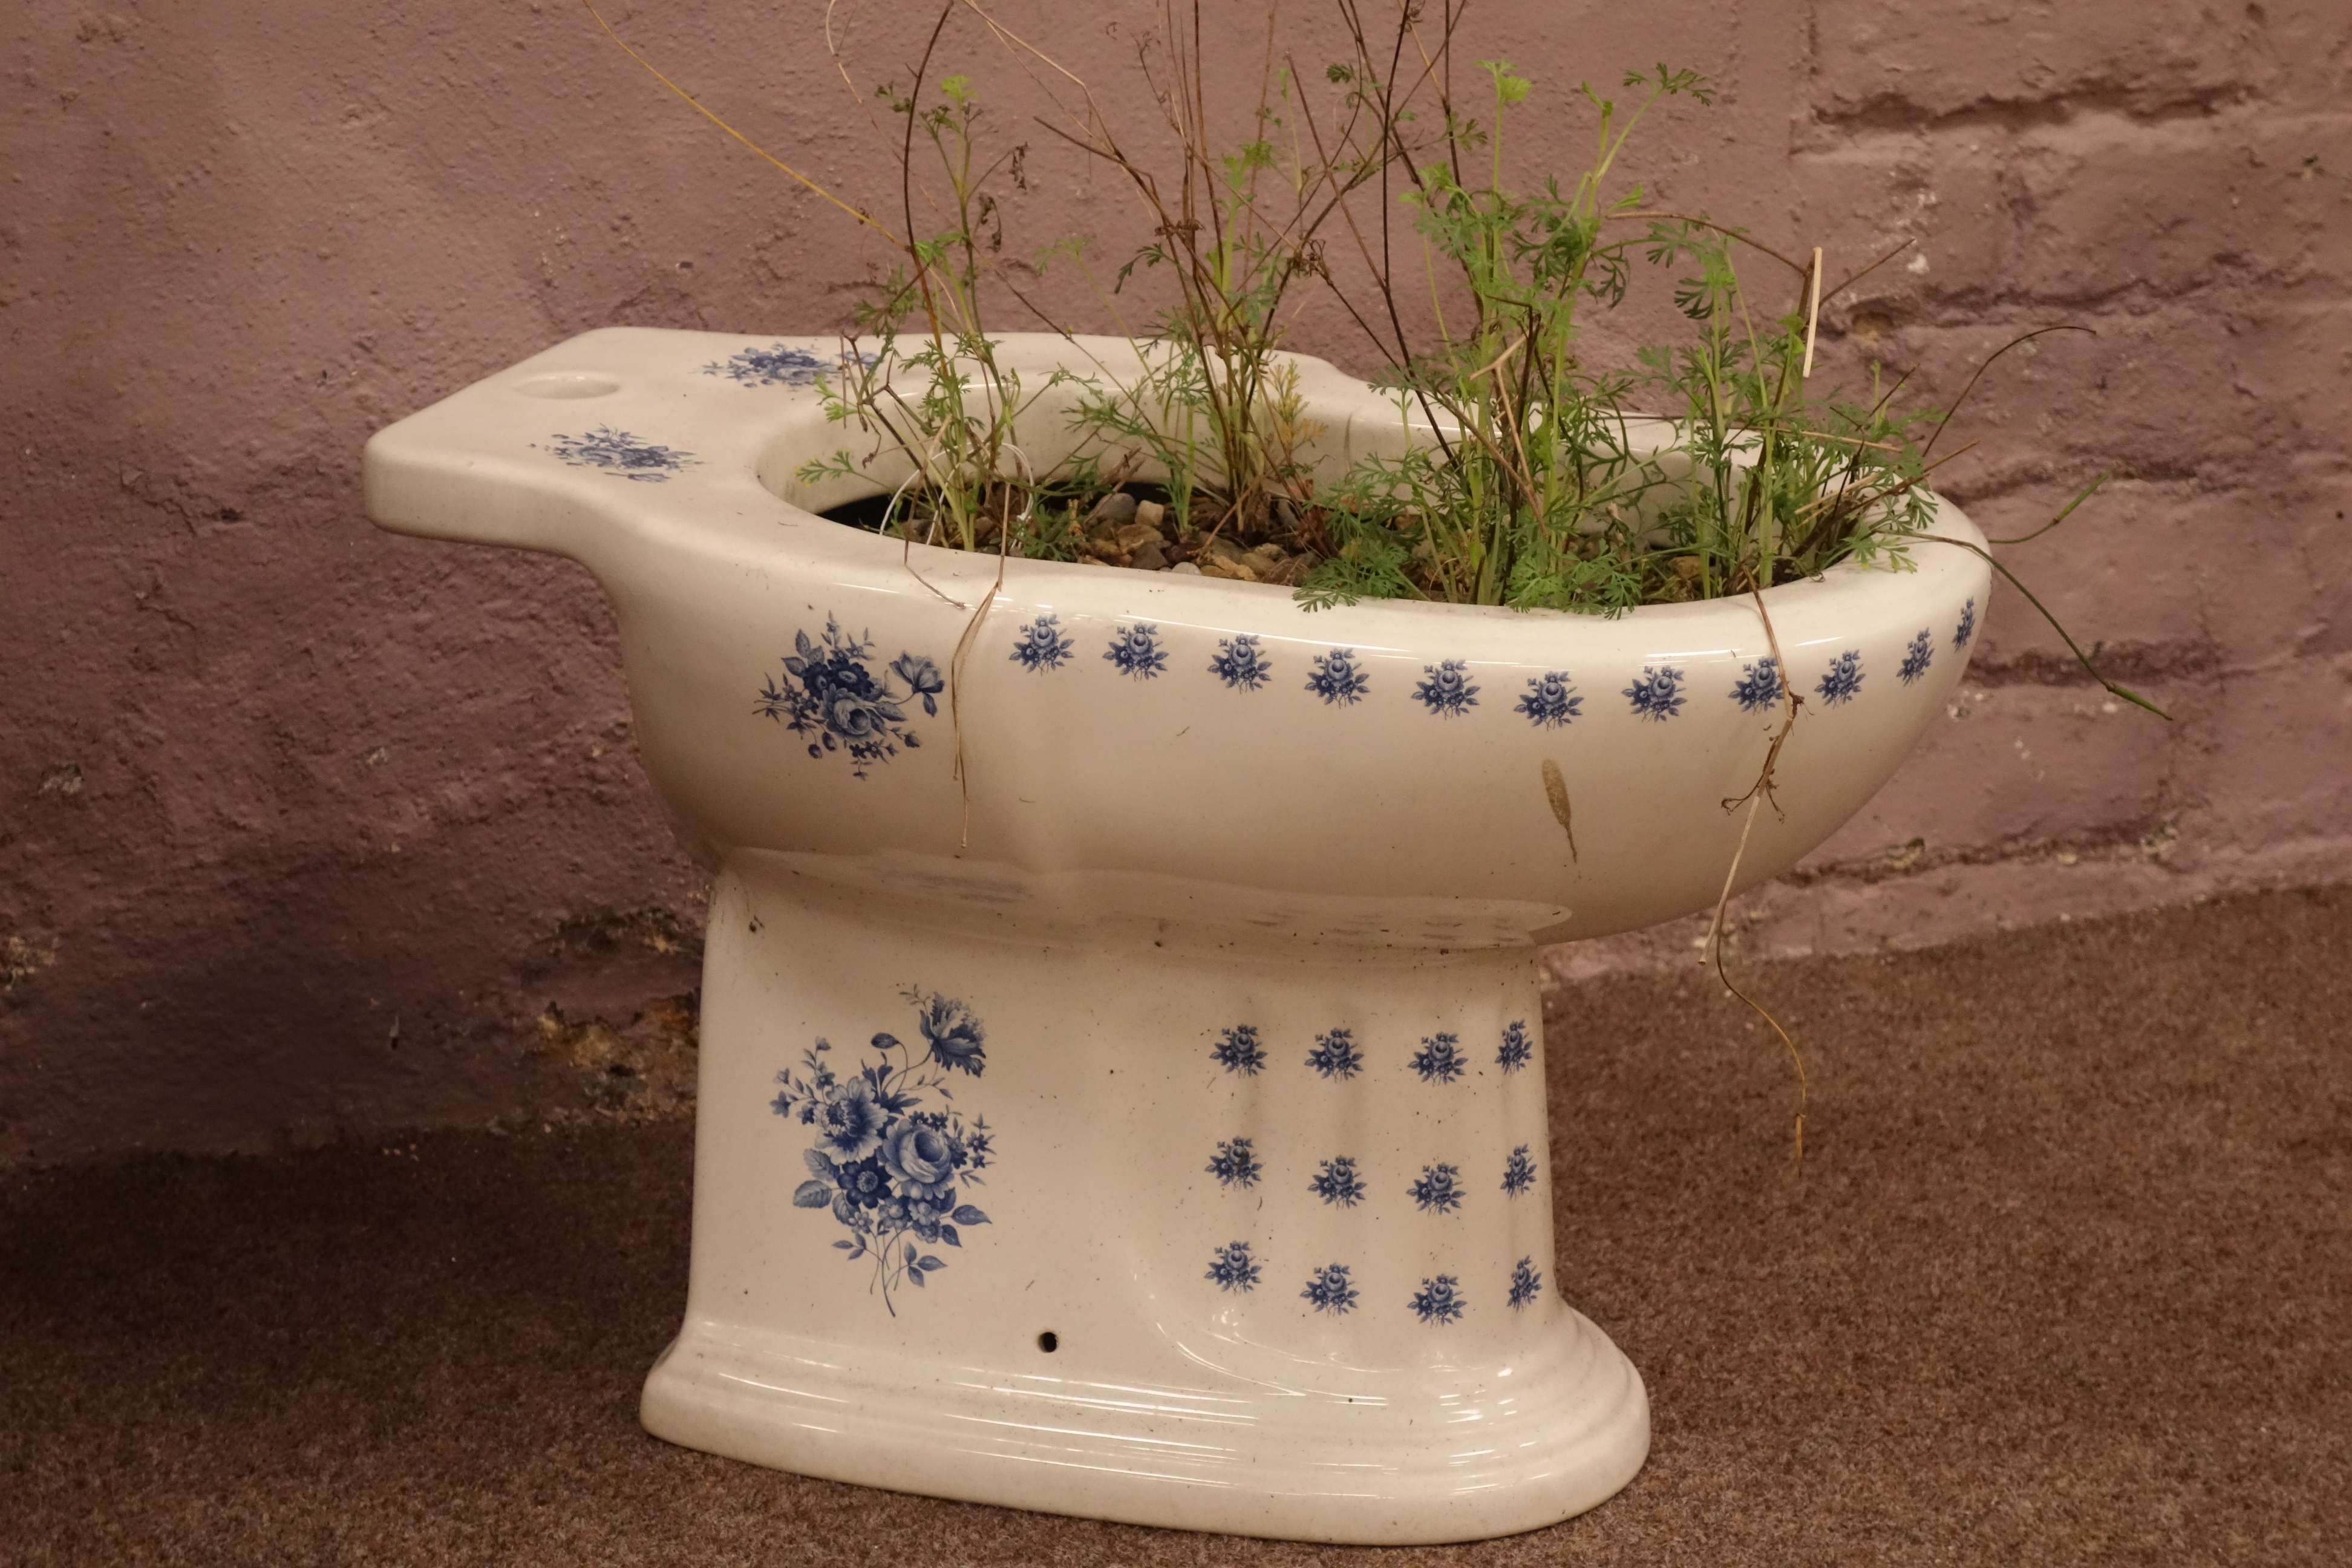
(1151, 1125)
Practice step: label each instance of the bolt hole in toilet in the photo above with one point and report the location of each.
(1165, 959)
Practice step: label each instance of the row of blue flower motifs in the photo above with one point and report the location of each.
(1446, 689)
(1438, 1189)
(1332, 1287)
(1441, 1059)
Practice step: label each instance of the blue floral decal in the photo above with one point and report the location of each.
(1658, 693)
(618, 452)
(1438, 1189)
(1447, 692)
(1329, 1291)
(1441, 1059)
(831, 692)
(1527, 1282)
(1968, 627)
(1759, 686)
(778, 366)
(1518, 1171)
(1235, 1163)
(886, 1168)
(1844, 679)
(1917, 658)
(1335, 1054)
(1042, 645)
(1136, 650)
(1240, 663)
(1438, 1301)
(1231, 1268)
(1337, 678)
(1519, 1046)
(1237, 1051)
(1550, 702)
(1338, 1183)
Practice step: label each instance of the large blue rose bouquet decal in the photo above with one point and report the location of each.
(832, 693)
(888, 1168)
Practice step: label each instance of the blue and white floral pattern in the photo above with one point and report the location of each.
(1844, 679)
(1042, 645)
(1237, 1051)
(1447, 692)
(1658, 693)
(1235, 1163)
(1338, 1183)
(1337, 678)
(1329, 1290)
(831, 694)
(1527, 1281)
(1519, 1046)
(1917, 656)
(1519, 1171)
(1135, 649)
(1240, 663)
(1441, 1059)
(1335, 1054)
(1439, 1300)
(1438, 1189)
(1231, 1268)
(620, 453)
(781, 365)
(1759, 686)
(1551, 700)
(1968, 627)
(886, 1168)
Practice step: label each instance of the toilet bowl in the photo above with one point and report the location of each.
(1123, 1068)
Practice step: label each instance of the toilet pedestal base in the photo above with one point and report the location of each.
(1238, 1234)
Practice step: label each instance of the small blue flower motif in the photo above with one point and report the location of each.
(1518, 1171)
(1338, 1183)
(1519, 1046)
(1844, 679)
(1527, 1282)
(953, 1034)
(1917, 658)
(1231, 1268)
(1438, 1189)
(1335, 1054)
(1658, 693)
(1136, 650)
(1042, 645)
(1337, 678)
(1968, 627)
(1240, 663)
(1236, 1165)
(1447, 692)
(832, 696)
(1438, 1301)
(618, 452)
(781, 366)
(1550, 702)
(1759, 686)
(1441, 1059)
(1237, 1051)
(1327, 1289)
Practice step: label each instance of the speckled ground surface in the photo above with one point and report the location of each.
(2066, 1277)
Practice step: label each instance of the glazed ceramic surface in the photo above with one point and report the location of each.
(1122, 1084)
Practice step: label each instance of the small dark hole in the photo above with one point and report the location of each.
(230, 514)
(1049, 1342)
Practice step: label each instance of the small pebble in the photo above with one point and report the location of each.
(1137, 534)
(1149, 512)
(1147, 557)
(1185, 567)
(1114, 511)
